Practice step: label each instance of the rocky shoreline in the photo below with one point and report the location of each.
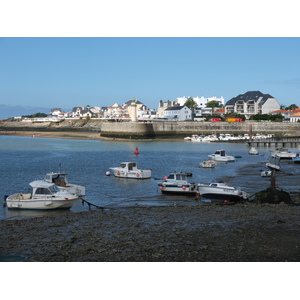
(207, 233)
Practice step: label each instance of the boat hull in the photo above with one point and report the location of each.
(16, 202)
(296, 160)
(217, 158)
(221, 193)
(179, 190)
(140, 174)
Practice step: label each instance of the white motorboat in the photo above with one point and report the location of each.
(130, 170)
(266, 173)
(220, 155)
(273, 163)
(177, 183)
(208, 164)
(284, 153)
(253, 151)
(220, 190)
(60, 179)
(44, 196)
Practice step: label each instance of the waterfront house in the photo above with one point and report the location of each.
(85, 112)
(178, 113)
(252, 103)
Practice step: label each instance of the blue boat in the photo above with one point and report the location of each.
(296, 160)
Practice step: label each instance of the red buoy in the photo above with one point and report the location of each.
(136, 151)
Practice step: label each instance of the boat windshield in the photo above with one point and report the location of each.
(122, 166)
(53, 189)
(180, 177)
(47, 191)
(42, 191)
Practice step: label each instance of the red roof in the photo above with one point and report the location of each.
(220, 111)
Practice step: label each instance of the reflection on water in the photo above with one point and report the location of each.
(24, 159)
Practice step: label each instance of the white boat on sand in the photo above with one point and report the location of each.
(130, 170)
(273, 163)
(44, 196)
(220, 190)
(177, 183)
(60, 179)
(220, 155)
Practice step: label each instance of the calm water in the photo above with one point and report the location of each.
(24, 159)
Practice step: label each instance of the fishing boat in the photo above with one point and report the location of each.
(177, 183)
(60, 179)
(208, 164)
(221, 156)
(130, 170)
(43, 196)
(220, 190)
(253, 151)
(284, 153)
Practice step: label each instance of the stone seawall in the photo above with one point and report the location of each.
(179, 129)
(157, 129)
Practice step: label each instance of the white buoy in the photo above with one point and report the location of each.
(107, 173)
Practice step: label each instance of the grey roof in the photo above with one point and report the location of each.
(253, 95)
(133, 100)
(174, 108)
(55, 109)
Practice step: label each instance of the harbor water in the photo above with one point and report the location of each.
(24, 159)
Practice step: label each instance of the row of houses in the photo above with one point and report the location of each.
(250, 103)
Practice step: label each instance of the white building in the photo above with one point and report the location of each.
(178, 113)
(202, 101)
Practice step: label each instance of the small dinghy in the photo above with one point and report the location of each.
(207, 164)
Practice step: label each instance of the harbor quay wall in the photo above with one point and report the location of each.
(169, 129)
(156, 128)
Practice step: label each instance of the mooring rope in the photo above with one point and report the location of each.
(90, 204)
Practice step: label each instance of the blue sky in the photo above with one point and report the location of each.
(42, 73)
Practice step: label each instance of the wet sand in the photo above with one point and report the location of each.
(84, 135)
(209, 233)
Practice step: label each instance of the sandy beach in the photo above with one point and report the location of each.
(210, 233)
(84, 135)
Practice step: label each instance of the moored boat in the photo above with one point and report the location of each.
(266, 173)
(208, 164)
(130, 170)
(44, 196)
(221, 156)
(60, 179)
(284, 153)
(273, 163)
(220, 190)
(253, 151)
(177, 183)
(296, 160)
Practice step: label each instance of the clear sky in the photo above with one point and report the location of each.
(53, 67)
(66, 72)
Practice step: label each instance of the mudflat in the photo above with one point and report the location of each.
(210, 233)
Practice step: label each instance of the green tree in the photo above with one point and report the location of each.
(191, 104)
(213, 104)
(36, 115)
(291, 107)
